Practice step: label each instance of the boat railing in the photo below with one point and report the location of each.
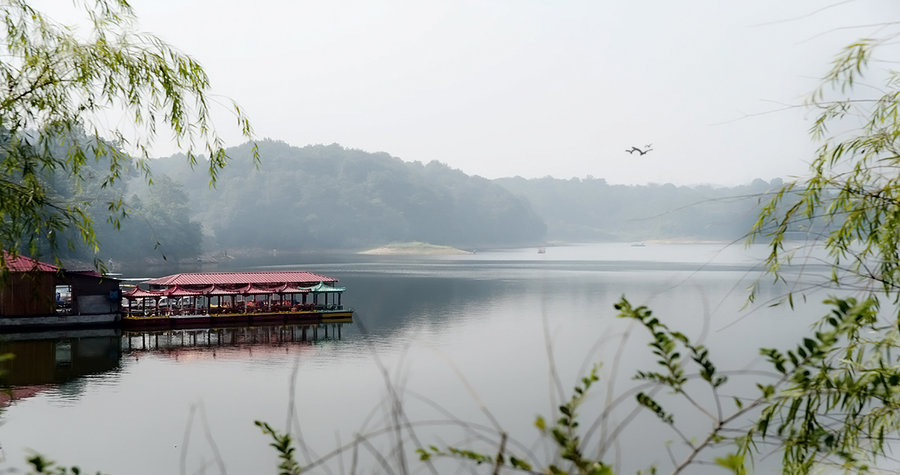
(238, 308)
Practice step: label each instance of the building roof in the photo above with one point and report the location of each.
(321, 288)
(137, 292)
(25, 264)
(236, 278)
(215, 290)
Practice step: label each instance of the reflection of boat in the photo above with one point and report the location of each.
(542, 250)
(233, 298)
(200, 343)
(48, 359)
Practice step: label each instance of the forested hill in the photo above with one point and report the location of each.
(332, 197)
(591, 210)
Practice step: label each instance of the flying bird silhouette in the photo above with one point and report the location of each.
(642, 151)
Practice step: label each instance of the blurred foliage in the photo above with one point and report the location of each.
(284, 445)
(39, 464)
(854, 185)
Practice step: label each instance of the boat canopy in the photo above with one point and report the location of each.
(138, 293)
(297, 278)
(235, 283)
(321, 288)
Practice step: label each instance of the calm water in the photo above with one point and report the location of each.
(465, 342)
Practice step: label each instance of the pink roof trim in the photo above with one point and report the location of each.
(234, 278)
(178, 291)
(138, 292)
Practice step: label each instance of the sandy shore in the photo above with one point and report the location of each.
(415, 249)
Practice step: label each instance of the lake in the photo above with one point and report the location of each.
(466, 344)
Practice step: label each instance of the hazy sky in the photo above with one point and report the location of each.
(526, 87)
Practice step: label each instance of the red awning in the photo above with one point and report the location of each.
(219, 290)
(138, 292)
(178, 291)
(255, 290)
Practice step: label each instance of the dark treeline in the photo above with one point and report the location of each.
(154, 222)
(329, 197)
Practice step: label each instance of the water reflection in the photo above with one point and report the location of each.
(49, 359)
(438, 330)
(43, 361)
(179, 342)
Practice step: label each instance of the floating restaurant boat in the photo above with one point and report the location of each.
(233, 298)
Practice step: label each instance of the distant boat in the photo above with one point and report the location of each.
(541, 250)
(638, 244)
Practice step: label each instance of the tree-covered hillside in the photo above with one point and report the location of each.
(129, 220)
(332, 197)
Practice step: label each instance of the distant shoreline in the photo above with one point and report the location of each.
(415, 249)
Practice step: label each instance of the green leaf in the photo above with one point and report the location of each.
(540, 423)
(733, 462)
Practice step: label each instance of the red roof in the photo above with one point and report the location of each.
(233, 278)
(26, 264)
(178, 291)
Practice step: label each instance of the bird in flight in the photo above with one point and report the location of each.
(642, 151)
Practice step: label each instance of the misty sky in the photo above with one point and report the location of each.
(524, 87)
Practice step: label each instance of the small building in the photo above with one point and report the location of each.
(28, 287)
(92, 293)
(37, 294)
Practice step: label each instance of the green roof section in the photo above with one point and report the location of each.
(322, 288)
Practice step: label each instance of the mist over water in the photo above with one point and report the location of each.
(505, 332)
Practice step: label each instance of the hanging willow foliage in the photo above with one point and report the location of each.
(854, 188)
(59, 89)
